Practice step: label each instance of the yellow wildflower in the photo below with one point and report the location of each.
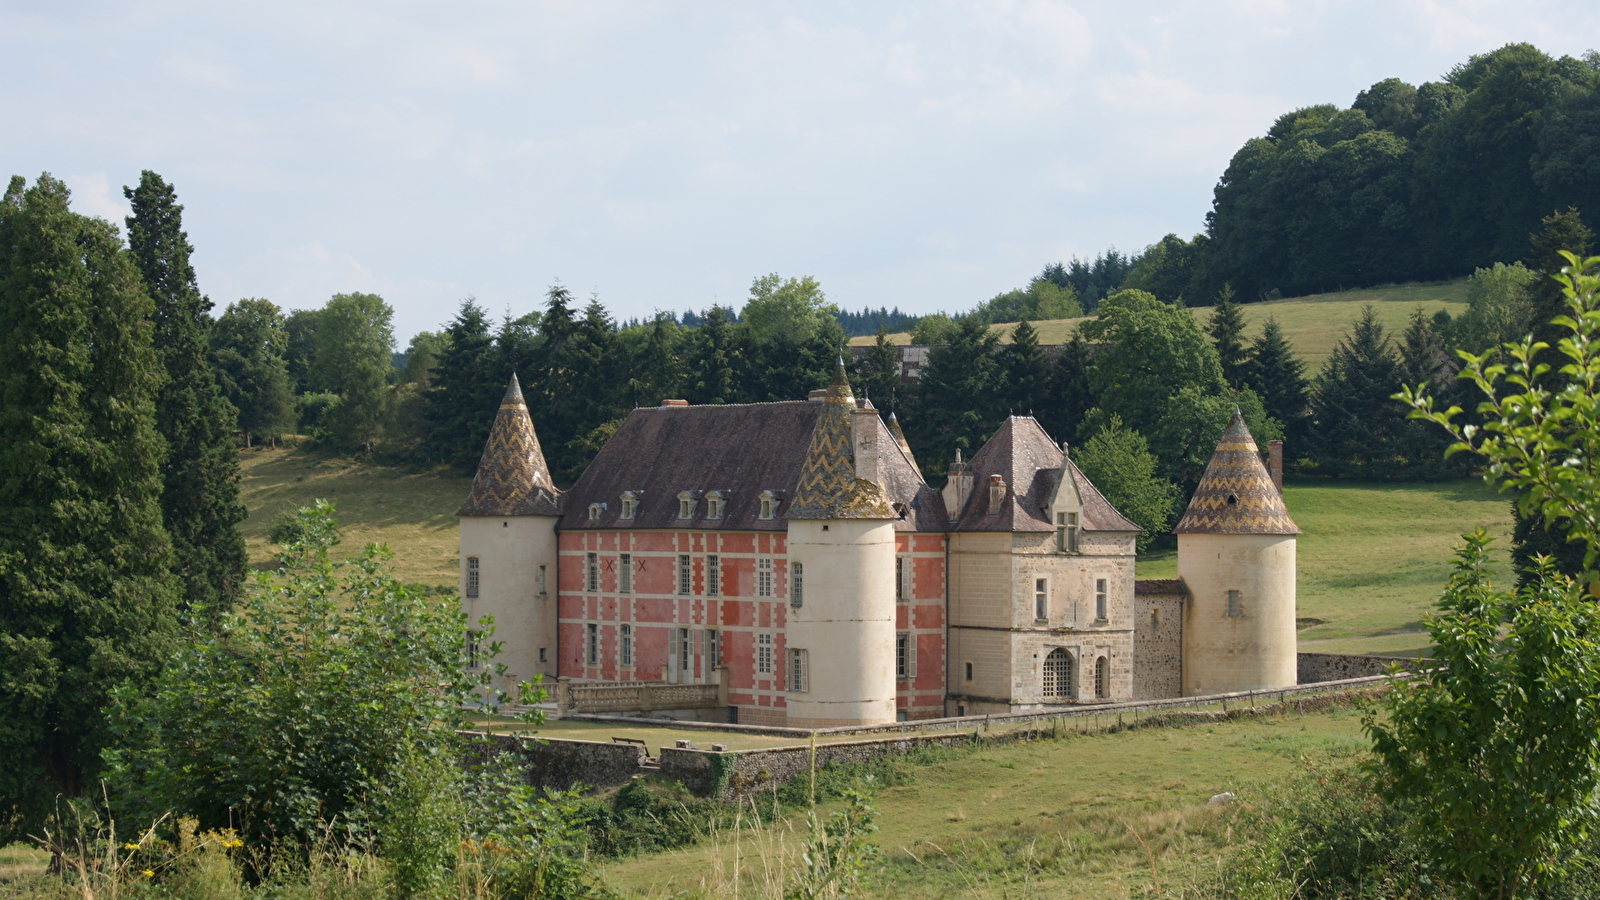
(127, 846)
(149, 874)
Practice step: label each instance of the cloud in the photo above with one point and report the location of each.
(92, 195)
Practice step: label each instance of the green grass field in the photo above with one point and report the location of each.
(1373, 558)
(1084, 816)
(1313, 324)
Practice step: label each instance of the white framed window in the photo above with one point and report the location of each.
(711, 650)
(592, 644)
(1058, 674)
(685, 652)
(685, 574)
(1041, 599)
(472, 649)
(764, 653)
(905, 656)
(686, 505)
(592, 572)
(799, 671)
(472, 576)
(764, 577)
(714, 501)
(1233, 603)
(625, 644)
(900, 592)
(1067, 532)
(797, 584)
(625, 573)
(595, 509)
(1102, 678)
(713, 576)
(630, 503)
(1101, 598)
(769, 505)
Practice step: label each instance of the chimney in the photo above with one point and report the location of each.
(864, 435)
(818, 396)
(674, 403)
(997, 494)
(1275, 463)
(957, 487)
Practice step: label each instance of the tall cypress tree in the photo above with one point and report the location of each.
(87, 596)
(467, 382)
(200, 475)
(1071, 398)
(1278, 378)
(1027, 371)
(1226, 329)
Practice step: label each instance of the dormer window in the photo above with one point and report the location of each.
(630, 504)
(714, 501)
(595, 509)
(769, 505)
(1067, 532)
(686, 505)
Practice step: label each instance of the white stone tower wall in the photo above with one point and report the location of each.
(1257, 648)
(510, 550)
(846, 623)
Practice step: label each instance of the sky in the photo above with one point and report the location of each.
(661, 155)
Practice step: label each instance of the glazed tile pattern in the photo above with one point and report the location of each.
(1236, 495)
(828, 486)
(512, 478)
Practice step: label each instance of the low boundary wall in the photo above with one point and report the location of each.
(1315, 668)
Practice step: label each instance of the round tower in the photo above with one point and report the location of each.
(839, 661)
(508, 547)
(1236, 557)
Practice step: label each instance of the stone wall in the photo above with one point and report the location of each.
(1315, 668)
(560, 764)
(1157, 646)
(731, 776)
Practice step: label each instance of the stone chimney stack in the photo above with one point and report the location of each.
(997, 494)
(957, 487)
(1275, 463)
(864, 436)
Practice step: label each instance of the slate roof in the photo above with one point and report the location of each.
(1030, 462)
(1236, 495)
(900, 441)
(512, 478)
(1160, 586)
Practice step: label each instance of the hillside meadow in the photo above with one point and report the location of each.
(1313, 324)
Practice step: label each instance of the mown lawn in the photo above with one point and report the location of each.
(1372, 558)
(1096, 816)
(1313, 324)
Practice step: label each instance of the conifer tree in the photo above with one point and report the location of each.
(467, 382)
(87, 595)
(1226, 329)
(654, 364)
(1278, 378)
(882, 381)
(961, 394)
(200, 473)
(247, 345)
(1071, 398)
(1357, 423)
(1562, 231)
(1027, 371)
(713, 359)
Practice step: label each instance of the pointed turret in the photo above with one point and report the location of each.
(900, 441)
(839, 477)
(1236, 494)
(512, 478)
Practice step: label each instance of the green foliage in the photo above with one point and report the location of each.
(1119, 463)
(839, 853)
(521, 841)
(1027, 372)
(308, 712)
(788, 310)
(354, 341)
(933, 329)
(248, 343)
(1498, 308)
(200, 471)
(713, 361)
(88, 596)
(301, 348)
(1359, 428)
(881, 380)
(466, 383)
(951, 412)
(1042, 299)
(1277, 376)
(422, 355)
(1226, 329)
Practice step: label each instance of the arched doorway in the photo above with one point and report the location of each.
(1058, 675)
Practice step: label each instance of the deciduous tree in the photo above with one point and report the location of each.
(247, 346)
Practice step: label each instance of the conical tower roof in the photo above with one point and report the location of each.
(512, 478)
(828, 487)
(1236, 495)
(901, 442)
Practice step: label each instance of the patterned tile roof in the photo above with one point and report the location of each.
(1236, 495)
(512, 478)
(829, 487)
(1030, 463)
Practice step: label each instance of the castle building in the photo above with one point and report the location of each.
(792, 554)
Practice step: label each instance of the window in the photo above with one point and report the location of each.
(1155, 617)
(472, 649)
(685, 651)
(541, 580)
(1058, 674)
(799, 671)
(1041, 598)
(625, 573)
(1102, 678)
(543, 655)
(764, 653)
(1233, 603)
(630, 502)
(1067, 532)
(900, 592)
(905, 656)
(769, 504)
(472, 576)
(594, 511)
(685, 505)
(764, 577)
(712, 651)
(1100, 599)
(592, 645)
(969, 671)
(685, 573)
(713, 576)
(625, 645)
(797, 584)
(592, 578)
(714, 505)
